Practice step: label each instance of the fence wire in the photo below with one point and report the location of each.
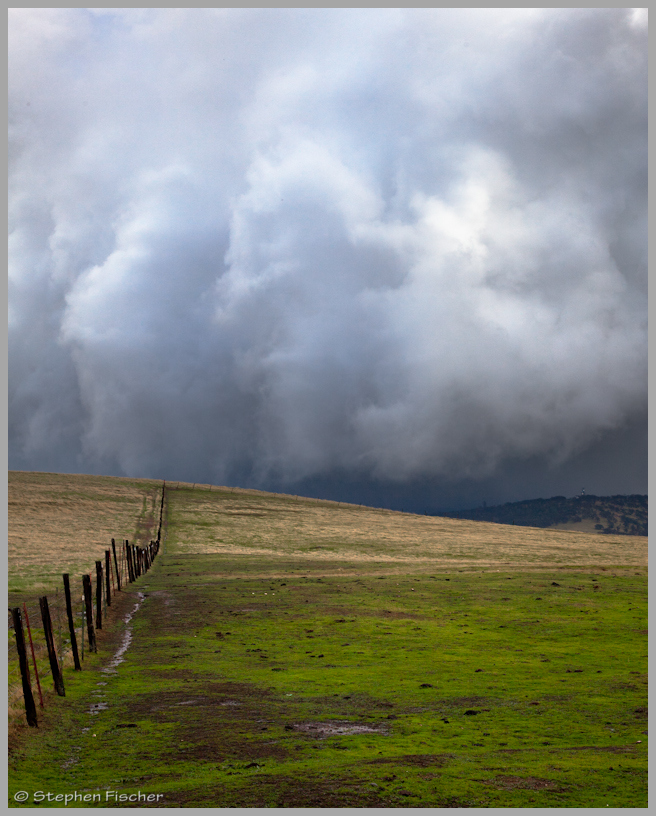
(131, 562)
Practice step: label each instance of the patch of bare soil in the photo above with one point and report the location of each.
(334, 728)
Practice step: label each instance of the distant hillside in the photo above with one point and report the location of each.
(615, 515)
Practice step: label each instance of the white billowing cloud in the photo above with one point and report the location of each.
(280, 242)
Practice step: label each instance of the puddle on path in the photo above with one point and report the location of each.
(96, 708)
(127, 639)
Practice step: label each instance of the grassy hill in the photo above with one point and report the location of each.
(610, 515)
(288, 652)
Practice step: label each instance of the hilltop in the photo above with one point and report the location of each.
(612, 515)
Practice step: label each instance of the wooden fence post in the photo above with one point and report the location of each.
(83, 619)
(99, 593)
(108, 589)
(118, 576)
(50, 643)
(30, 708)
(128, 558)
(88, 609)
(71, 622)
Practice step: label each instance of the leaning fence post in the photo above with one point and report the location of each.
(36, 671)
(71, 622)
(88, 605)
(30, 708)
(50, 643)
(99, 588)
(118, 575)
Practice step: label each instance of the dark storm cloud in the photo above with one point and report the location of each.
(276, 244)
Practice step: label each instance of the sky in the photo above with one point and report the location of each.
(392, 256)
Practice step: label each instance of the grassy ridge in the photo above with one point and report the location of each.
(233, 522)
(271, 673)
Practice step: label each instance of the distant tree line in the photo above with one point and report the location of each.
(613, 515)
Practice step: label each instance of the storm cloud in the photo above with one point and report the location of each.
(270, 245)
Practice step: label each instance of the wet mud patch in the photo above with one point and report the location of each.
(206, 702)
(338, 728)
(213, 722)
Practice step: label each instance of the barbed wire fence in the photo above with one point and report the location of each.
(55, 635)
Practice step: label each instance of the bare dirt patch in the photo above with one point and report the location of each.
(334, 728)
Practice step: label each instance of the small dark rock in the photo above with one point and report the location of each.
(426, 685)
(289, 728)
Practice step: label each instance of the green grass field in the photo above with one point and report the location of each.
(345, 673)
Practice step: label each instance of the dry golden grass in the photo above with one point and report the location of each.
(233, 521)
(64, 523)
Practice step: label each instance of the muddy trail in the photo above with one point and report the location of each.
(456, 689)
